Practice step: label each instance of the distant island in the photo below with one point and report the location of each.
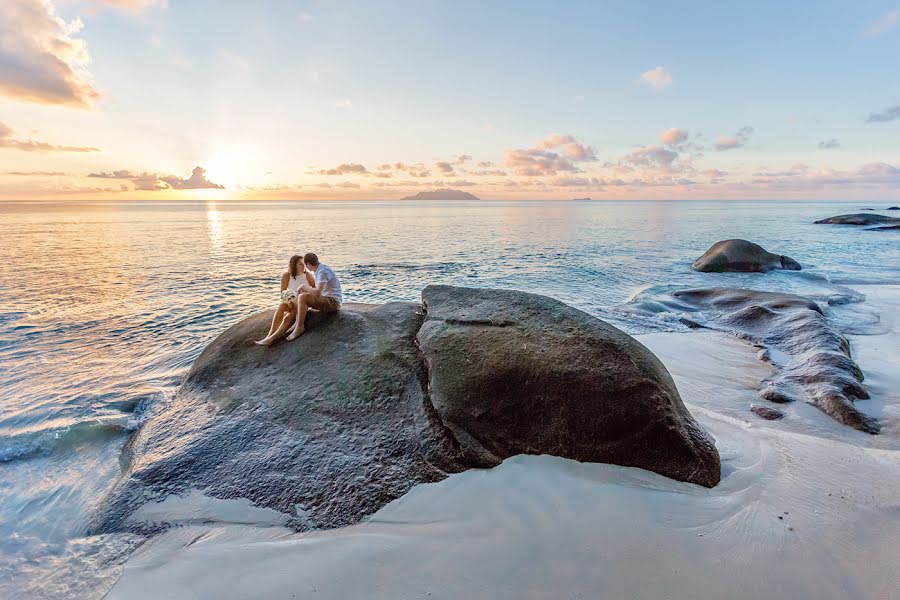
(443, 194)
(581, 200)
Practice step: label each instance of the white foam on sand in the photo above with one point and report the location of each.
(797, 514)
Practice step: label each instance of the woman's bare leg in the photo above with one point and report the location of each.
(300, 319)
(279, 315)
(287, 319)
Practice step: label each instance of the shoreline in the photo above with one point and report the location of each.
(806, 507)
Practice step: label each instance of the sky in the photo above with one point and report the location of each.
(232, 99)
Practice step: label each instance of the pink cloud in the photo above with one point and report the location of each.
(658, 78)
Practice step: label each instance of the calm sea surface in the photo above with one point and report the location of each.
(104, 305)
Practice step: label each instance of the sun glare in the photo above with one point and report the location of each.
(231, 164)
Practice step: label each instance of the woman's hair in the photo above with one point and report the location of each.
(293, 264)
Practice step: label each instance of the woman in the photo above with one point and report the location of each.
(293, 278)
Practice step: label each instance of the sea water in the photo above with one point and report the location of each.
(104, 305)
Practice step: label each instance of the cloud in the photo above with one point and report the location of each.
(35, 173)
(132, 5)
(444, 168)
(41, 58)
(461, 159)
(571, 148)
(344, 169)
(154, 182)
(653, 157)
(673, 136)
(347, 184)
(7, 140)
(892, 113)
(413, 170)
(571, 181)
(737, 140)
(658, 78)
(345, 103)
(488, 173)
(555, 154)
(829, 144)
(883, 24)
(877, 175)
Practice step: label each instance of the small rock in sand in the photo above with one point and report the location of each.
(769, 414)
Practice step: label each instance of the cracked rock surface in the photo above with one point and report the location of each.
(376, 399)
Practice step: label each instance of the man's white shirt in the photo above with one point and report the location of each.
(327, 283)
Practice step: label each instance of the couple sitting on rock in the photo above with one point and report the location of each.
(306, 284)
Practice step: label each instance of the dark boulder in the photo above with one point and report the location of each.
(515, 373)
(820, 369)
(766, 412)
(333, 426)
(858, 219)
(742, 256)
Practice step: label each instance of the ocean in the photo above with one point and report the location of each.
(105, 304)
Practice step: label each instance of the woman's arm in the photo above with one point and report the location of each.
(285, 279)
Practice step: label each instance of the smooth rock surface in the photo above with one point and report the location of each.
(818, 368)
(742, 256)
(515, 373)
(372, 400)
(858, 219)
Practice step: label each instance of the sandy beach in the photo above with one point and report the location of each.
(806, 508)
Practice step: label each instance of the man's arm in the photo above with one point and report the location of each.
(312, 288)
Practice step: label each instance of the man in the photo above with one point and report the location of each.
(325, 295)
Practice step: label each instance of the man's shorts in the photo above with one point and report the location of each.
(325, 304)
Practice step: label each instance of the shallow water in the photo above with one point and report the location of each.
(104, 305)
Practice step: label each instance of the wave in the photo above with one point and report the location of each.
(98, 429)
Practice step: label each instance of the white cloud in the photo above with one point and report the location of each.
(345, 103)
(658, 78)
(42, 59)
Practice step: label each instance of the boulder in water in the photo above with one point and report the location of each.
(859, 219)
(373, 400)
(742, 256)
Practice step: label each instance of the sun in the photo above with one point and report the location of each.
(231, 164)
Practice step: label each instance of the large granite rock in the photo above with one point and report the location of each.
(375, 399)
(859, 219)
(742, 256)
(515, 373)
(814, 361)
